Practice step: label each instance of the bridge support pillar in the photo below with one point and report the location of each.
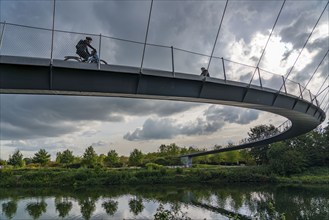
(187, 161)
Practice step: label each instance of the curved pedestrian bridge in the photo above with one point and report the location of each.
(26, 75)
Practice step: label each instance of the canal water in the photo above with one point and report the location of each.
(234, 201)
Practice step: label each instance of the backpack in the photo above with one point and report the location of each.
(80, 45)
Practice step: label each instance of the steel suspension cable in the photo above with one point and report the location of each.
(268, 39)
(220, 25)
(147, 32)
(318, 93)
(316, 70)
(323, 90)
(325, 96)
(306, 41)
(326, 108)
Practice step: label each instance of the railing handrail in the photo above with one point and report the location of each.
(169, 47)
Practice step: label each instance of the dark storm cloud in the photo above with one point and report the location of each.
(300, 21)
(28, 117)
(214, 119)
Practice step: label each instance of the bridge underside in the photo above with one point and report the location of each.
(21, 75)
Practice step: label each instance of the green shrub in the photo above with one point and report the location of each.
(153, 166)
(179, 170)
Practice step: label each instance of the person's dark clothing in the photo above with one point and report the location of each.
(205, 73)
(82, 49)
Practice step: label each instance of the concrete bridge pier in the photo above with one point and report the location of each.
(187, 161)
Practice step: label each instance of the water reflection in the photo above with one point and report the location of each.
(63, 206)
(110, 206)
(136, 205)
(87, 207)
(173, 202)
(35, 209)
(9, 209)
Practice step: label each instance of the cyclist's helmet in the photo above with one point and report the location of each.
(89, 38)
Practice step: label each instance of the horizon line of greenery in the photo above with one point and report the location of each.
(284, 158)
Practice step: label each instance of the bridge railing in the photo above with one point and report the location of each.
(28, 41)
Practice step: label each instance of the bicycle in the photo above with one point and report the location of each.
(92, 59)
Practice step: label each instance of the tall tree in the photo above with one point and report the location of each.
(89, 157)
(16, 159)
(259, 132)
(66, 157)
(136, 158)
(112, 158)
(284, 160)
(42, 157)
(169, 150)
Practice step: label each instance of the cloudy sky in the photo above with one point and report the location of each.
(56, 123)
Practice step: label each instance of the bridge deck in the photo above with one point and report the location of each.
(22, 75)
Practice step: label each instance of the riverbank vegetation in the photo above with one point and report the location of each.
(303, 159)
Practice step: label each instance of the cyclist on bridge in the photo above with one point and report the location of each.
(82, 48)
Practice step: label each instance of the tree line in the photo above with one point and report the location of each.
(285, 157)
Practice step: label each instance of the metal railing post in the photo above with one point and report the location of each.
(224, 68)
(172, 61)
(284, 85)
(300, 90)
(260, 80)
(2, 34)
(309, 92)
(52, 34)
(317, 102)
(99, 51)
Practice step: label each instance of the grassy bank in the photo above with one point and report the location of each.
(106, 177)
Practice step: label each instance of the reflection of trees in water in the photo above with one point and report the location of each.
(35, 209)
(303, 202)
(63, 206)
(222, 197)
(259, 201)
(87, 207)
(9, 208)
(136, 205)
(296, 202)
(110, 206)
(202, 194)
(172, 214)
(237, 201)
